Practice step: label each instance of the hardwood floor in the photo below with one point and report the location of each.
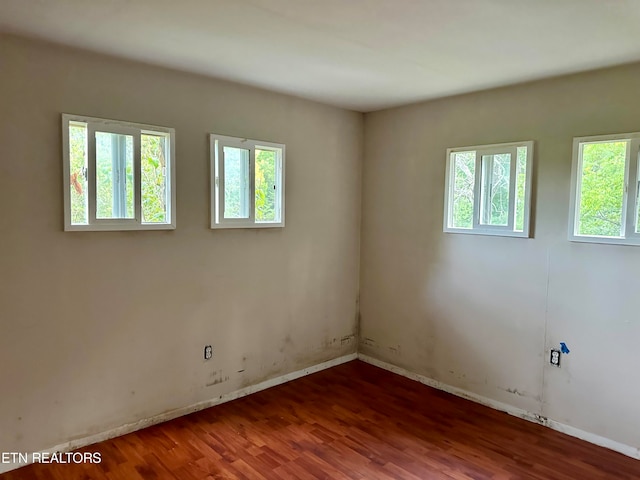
(353, 421)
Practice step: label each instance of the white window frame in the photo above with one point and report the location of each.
(217, 144)
(478, 228)
(630, 195)
(94, 124)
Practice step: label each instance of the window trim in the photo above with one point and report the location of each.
(629, 201)
(128, 128)
(216, 144)
(491, 230)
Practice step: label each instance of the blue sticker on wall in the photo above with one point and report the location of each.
(564, 348)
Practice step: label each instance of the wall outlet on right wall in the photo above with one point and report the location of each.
(554, 357)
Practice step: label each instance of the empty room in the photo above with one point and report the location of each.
(332, 239)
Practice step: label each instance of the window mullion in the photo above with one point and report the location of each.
(137, 178)
(252, 183)
(221, 182)
(487, 188)
(118, 176)
(215, 179)
(626, 229)
(513, 164)
(91, 171)
(476, 190)
(278, 187)
(631, 189)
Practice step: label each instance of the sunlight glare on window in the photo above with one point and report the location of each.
(114, 175)
(236, 182)
(494, 191)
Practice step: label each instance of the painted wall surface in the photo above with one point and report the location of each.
(99, 329)
(480, 313)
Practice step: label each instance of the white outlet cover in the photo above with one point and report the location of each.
(208, 352)
(554, 358)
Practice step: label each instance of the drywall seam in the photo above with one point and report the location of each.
(545, 340)
(179, 412)
(628, 450)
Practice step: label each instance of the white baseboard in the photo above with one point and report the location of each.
(164, 417)
(627, 450)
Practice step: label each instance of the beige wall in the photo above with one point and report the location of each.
(103, 328)
(480, 313)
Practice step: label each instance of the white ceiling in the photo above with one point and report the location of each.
(359, 54)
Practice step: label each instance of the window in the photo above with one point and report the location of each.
(117, 175)
(604, 189)
(488, 189)
(247, 183)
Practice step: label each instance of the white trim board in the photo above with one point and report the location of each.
(627, 450)
(179, 412)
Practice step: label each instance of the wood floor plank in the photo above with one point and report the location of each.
(351, 422)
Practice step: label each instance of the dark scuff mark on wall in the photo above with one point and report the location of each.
(521, 393)
(217, 378)
(287, 344)
(347, 339)
(395, 350)
(217, 381)
(515, 392)
(370, 342)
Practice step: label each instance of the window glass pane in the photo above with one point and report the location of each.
(153, 173)
(464, 171)
(602, 189)
(637, 194)
(114, 175)
(236, 182)
(78, 173)
(267, 163)
(494, 189)
(521, 181)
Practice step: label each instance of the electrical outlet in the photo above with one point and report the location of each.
(554, 358)
(208, 352)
